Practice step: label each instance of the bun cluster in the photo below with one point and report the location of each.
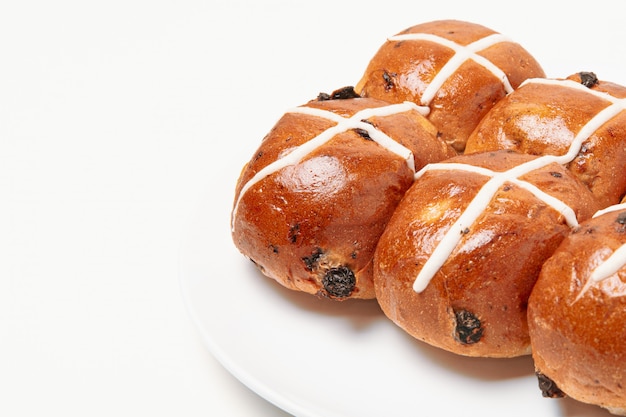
(480, 203)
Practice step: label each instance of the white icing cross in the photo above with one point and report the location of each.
(482, 199)
(477, 206)
(343, 124)
(462, 53)
(610, 265)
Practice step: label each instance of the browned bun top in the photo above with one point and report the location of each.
(463, 90)
(577, 323)
(549, 116)
(312, 202)
(475, 302)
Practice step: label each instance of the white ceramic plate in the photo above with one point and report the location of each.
(319, 358)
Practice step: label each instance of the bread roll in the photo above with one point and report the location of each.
(313, 200)
(577, 314)
(546, 116)
(460, 255)
(456, 69)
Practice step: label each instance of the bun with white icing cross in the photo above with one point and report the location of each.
(312, 202)
(459, 258)
(546, 116)
(577, 314)
(457, 185)
(457, 69)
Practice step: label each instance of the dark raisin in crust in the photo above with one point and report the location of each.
(339, 94)
(588, 79)
(339, 282)
(548, 387)
(468, 329)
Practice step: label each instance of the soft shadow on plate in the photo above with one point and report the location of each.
(361, 315)
(487, 369)
(364, 313)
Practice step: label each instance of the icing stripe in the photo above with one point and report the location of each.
(617, 260)
(616, 106)
(343, 124)
(479, 203)
(589, 129)
(558, 205)
(610, 266)
(566, 211)
(462, 53)
(453, 236)
(610, 209)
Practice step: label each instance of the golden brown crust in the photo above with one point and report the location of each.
(340, 223)
(401, 71)
(313, 225)
(541, 119)
(486, 281)
(576, 327)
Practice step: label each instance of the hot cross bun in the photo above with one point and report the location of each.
(459, 257)
(457, 69)
(546, 116)
(313, 200)
(577, 314)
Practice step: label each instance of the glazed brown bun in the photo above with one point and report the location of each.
(315, 197)
(421, 64)
(460, 255)
(549, 116)
(577, 315)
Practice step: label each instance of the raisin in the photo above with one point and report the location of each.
(344, 93)
(339, 94)
(339, 282)
(310, 262)
(548, 387)
(388, 80)
(468, 329)
(363, 133)
(588, 79)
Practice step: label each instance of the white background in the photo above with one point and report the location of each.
(116, 116)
